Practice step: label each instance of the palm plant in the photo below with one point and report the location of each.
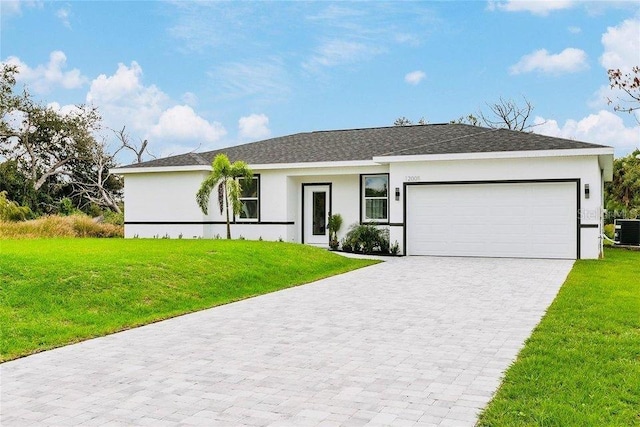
(224, 175)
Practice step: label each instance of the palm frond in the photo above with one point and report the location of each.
(203, 194)
(234, 189)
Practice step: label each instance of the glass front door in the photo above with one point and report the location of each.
(319, 213)
(316, 210)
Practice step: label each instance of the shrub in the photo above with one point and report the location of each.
(65, 207)
(11, 211)
(111, 217)
(335, 223)
(367, 238)
(347, 246)
(609, 230)
(78, 225)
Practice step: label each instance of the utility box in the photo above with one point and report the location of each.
(627, 232)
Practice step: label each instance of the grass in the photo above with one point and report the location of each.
(581, 365)
(78, 225)
(59, 291)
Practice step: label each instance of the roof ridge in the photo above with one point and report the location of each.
(376, 127)
(197, 157)
(439, 142)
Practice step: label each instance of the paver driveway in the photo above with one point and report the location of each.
(413, 341)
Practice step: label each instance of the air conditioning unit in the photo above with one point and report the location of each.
(628, 232)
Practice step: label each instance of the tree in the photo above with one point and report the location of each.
(50, 155)
(629, 83)
(125, 142)
(91, 180)
(224, 175)
(403, 121)
(468, 120)
(41, 140)
(508, 114)
(623, 193)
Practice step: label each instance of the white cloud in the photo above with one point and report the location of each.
(603, 127)
(14, 7)
(340, 52)
(64, 109)
(574, 30)
(190, 98)
(183, 124)
(267, 79)
(415, 77)
(536, 7)
(254, 126)
(622, 45)
(43, 78)
(123, 99)
(570, 60)
(406, 38)
(64, 14)
(149, 113)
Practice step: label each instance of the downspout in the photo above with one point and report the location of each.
(602, 207)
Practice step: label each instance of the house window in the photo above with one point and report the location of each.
(376, 197)
(249, 197)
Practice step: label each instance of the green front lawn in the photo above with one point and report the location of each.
(581, 366)
(58, 291)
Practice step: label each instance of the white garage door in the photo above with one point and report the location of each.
(524, 220)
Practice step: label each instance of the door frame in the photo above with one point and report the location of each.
(576, 181)
(312, 184)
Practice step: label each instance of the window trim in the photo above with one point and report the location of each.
(237, 219)
(363, 220)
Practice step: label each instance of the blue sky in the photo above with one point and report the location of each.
(188, 75)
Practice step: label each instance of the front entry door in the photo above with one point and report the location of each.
(317, 204)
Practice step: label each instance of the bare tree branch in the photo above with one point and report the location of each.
(508, 114)
(125, 142)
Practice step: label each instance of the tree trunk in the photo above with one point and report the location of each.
(226, 195)
(54, 170)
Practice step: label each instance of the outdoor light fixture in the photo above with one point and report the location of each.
(397, 193)
(586, 191)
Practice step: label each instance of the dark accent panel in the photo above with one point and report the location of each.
(207, 223)
(589, 225)
(578, 220)
(500, 181)
(577, 181)
(396, 224)
(404, 218)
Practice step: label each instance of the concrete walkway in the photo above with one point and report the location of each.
(412, 341)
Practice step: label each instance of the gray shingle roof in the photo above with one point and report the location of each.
(364, 144)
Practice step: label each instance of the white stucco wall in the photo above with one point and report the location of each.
(583, 167)
(170, 196)
(163, 197)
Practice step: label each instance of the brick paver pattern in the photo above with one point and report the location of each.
(411, 341)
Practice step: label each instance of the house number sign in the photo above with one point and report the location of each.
(412, 178)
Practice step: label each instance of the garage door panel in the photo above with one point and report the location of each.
(535, 220)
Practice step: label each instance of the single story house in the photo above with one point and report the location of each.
(441, 189)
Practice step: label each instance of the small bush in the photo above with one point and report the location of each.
(609, 230)
(11, 211)
(114, 218)
(367, 238)
(65, 207)
(77, 225)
